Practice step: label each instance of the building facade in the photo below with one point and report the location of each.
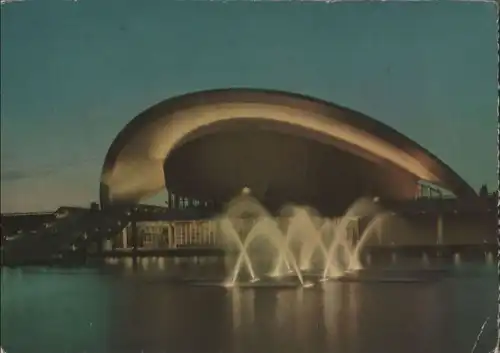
(167, 235)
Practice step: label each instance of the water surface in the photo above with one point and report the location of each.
(116, 309)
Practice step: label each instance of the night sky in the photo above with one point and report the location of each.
(74, 73)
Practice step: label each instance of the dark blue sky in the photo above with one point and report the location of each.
(74, 73)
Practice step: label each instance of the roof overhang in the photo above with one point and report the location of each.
(133, 168)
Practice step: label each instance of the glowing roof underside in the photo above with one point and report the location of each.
(133, 168)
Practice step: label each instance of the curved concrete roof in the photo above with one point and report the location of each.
(134, 165)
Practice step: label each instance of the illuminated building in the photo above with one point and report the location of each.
(284, 147)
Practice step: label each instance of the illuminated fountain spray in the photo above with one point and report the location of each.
(303, 231)
(264, 228)
(270, 227)
(228, 230)
(311, 238)
(267, 229)
(342, 254)
(374, 227)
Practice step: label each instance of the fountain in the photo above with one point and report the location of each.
(227, 229)
(295, 237)
(267, 228)
(342, 246)
(301, 229)
(355, 261)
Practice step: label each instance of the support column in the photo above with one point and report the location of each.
(213, 230)
(171, 239)
(135, 235)
(159, 237)
(179, 233)
(440, 235)
(153, 237)
(209, 231)
(124, 238)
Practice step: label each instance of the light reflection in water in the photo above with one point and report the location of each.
(144, 263)
(299, 333)
(236, 307)
(332, 304)
(284, 306)
(394, 258)
(341, 314)
(425, 259)
(353, 299)
(161, 263)
(331, 317)
(248, 307)
(242, 308)
(128, 263)
(490, 259)
(296, 315)
(242, 317)
(309, 330)
(429, 305)
(111, 261)
(237, 335)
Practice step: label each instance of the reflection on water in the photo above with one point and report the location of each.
(490, 259)
(161, 264)
(145, 263)
(394, 258)
(425, 260)
(242, 308)
(129, 307)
